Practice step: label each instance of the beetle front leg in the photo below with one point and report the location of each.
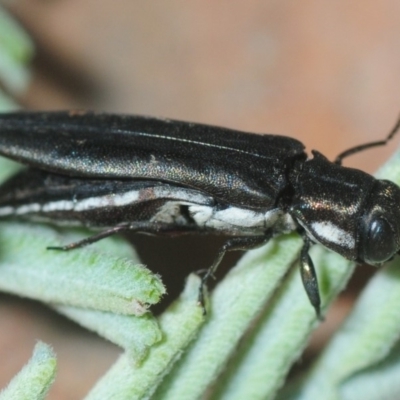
(309, 278)
(238, 243)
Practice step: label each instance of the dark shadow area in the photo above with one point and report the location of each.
(175, 258)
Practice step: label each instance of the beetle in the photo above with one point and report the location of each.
(161, 176)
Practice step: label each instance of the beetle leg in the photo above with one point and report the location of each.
(238, 243)
(309, 278)
(90, 239)
(136, 227)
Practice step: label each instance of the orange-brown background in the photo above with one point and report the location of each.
(327, 73)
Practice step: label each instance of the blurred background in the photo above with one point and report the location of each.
(326, 73)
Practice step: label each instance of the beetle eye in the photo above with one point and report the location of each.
(380, 243)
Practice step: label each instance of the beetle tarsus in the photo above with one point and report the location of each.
(238, 243)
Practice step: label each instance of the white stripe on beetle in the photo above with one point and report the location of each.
(332, 233)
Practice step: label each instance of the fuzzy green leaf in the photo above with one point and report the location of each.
(136, 334)
(236, 301)
(179, 324)
(83, 278)
(261, 364)
(34, 380)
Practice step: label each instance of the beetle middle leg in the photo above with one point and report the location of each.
(237, 243)
(309, 278)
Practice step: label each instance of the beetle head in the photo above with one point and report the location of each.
(380, 225)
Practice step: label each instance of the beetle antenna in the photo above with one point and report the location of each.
(365, 146)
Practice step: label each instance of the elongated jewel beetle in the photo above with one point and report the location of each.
(158, 176)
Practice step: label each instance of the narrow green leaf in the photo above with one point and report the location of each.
(364, 340)
(262, 362)
(380, 381)
(135, 334)
(84, 278)
(14, 39)
(34, 380)
(235, 303)
(179, 324)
